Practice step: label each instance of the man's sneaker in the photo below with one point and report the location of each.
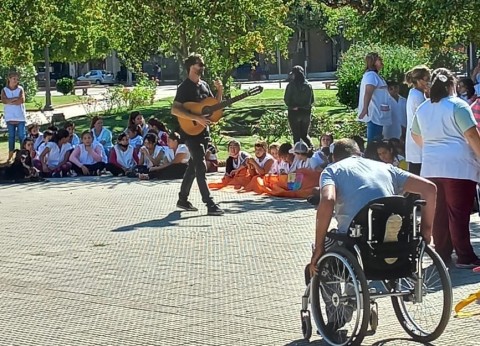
(186, 205)
(214, 209)
(470, 265)
(392, 227)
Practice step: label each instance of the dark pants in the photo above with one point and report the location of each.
(414, 168)
(451, 226)
(174, 171)
(196, 169)
(299, 122)
(115, 169)
(91, 168)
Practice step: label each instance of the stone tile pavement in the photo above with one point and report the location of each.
(110, 261)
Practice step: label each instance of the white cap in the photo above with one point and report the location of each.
(299, 148)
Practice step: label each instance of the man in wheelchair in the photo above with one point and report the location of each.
(351, 182)
(376, 252)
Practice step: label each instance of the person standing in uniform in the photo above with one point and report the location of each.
(194, 89)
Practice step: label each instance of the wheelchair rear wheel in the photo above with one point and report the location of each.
(340, 298)
(425, 321)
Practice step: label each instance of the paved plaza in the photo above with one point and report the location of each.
(110, 261)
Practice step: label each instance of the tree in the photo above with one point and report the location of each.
(73, 30)
(227, 33)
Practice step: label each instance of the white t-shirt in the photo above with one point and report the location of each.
(318, 159)
(399, 118)
(157, 151)
(379, 111)
(413, 153)
(14, 112)
(56, 154)
(297, 164)
(181, 149)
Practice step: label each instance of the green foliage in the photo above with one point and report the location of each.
(397, 60)
(27, 79)
(216, 132)
(74, 30)
(226, 33)
(272, 126)
(65, 85)
(142, 95)
(346, 127)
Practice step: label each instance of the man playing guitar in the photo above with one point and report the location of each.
(194, 89)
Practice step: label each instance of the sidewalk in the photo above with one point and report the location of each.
(71, 111)
(111, 261)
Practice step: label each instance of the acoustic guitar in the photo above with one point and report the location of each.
(211, 109)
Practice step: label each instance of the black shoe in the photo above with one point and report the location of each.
(186, 205)
(313, 200)
(214, 209)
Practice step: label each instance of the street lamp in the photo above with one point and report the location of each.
(341, 29)
(48, 95)
(279, 64)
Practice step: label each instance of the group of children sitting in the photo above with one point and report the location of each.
(143, 150)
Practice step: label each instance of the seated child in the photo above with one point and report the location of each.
(28, 145)
(136, 118)
(54, 159)
(33, 131)
(263, 161)
(161, 130)
(273, 150)
(175, 161)
(286, 158)
(303, 156)
(70, 127)
(87, 158)
(237, 159)
(123, 158)
(211, 158)
(134, 133)
(150, 155)
(387, 153)
(46, 137)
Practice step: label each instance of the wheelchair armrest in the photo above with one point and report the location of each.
(377, 206)
(338, 236)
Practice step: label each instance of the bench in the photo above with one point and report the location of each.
(328, 85)
(82, 84)
(57, 118)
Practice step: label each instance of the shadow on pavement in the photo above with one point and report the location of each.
(270, 204)
(400, 342)
(168, 221)
(385, 342)
(303, 342)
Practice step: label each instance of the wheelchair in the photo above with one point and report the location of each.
(367, 264)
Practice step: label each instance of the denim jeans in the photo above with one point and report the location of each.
(12, 130)
(196, 169)
(374, 132)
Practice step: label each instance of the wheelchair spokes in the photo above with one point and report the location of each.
(424, 313)
(341, 296)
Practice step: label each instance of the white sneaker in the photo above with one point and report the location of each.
(392, 228)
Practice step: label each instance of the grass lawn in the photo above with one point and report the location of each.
(39, 101)
(238, 118)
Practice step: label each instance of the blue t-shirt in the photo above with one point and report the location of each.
(358, 181)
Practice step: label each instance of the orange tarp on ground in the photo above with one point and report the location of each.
(271, 184)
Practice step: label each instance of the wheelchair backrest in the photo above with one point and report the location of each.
(381, 209)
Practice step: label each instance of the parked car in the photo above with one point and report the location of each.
(98, 77)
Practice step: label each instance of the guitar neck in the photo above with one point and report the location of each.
(228, 102)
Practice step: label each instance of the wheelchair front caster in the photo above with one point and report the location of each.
(374, 318)
(306, 324)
